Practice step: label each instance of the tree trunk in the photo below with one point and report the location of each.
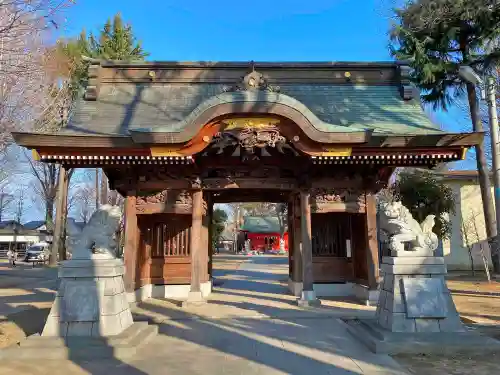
(97, 188)
(59, 227)
(484, 180)
(49, 213)
(113, 198)
(104, 188)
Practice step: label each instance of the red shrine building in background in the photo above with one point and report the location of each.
(264, 233)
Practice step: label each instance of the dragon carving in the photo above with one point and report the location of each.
(250, 139)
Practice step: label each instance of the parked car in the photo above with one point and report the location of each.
(38, 252)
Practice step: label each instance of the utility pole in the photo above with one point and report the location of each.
(493, 119)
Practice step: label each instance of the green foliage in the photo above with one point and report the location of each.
(116, 41)
(424, 194)
(437, 36)
(219, 219)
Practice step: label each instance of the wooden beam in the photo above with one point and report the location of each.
(162, 208)
(131, 241)
(351, 207)
(250, 183)
(167, 183)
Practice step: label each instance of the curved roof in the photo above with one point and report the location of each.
(261, 224)
(127, 108)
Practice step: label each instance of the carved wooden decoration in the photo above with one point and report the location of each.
(252, 81)
(338, 200)
(250, 139)
(167, 201)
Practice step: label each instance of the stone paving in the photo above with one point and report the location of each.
(249, 326)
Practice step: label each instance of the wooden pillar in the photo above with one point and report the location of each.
(308, 296)
(196, 240)
(297, 243)
(196, 245)
(306, 233)
(131, 242)
(205, 244)
(372, 256)
(290, 223)
(210, 214)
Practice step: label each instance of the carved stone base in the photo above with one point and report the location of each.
(195, 299)
(308, 299)
(414, 296)
(91, 300)
(415, 311)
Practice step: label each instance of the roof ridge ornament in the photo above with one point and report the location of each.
(407, 90)
(92, 89)
(253, 81)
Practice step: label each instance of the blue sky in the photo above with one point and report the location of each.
(260, 30)
(272, 30)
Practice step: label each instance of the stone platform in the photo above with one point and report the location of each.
(121, 346)
(383, 341)
(90, 301)
(416, 312)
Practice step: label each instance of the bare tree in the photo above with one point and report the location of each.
(20, 205)
(26, 63)
(472, 238)
(6, 200)
(85, 201)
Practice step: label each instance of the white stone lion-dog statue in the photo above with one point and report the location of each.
(98, 239)
(399, 227)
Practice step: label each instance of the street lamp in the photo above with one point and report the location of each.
(468, 74)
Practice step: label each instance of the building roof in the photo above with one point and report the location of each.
(10, 224)
(171, 107)
(460, 175)
(261, 224)
(331, 97)
(34, 224)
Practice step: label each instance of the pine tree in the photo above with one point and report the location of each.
(436, 37)
(116, 42)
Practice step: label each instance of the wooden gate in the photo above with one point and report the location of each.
(332, 247)
(164, 249)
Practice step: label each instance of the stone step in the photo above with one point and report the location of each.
(123, 345)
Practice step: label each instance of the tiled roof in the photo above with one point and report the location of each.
(170, 106)
(261, 224)
(34, 224)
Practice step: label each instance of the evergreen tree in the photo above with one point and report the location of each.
(116, 42)
(436, 37)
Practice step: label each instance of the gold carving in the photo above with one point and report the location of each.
(164, 151)
(35, 155)
(336, 151)
(254, 123)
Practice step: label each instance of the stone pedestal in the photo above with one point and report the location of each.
(308, 299)
(415, 311)
(414, 296)
(91, 300)
(194, 299)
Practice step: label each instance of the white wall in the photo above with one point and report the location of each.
(468, 206)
